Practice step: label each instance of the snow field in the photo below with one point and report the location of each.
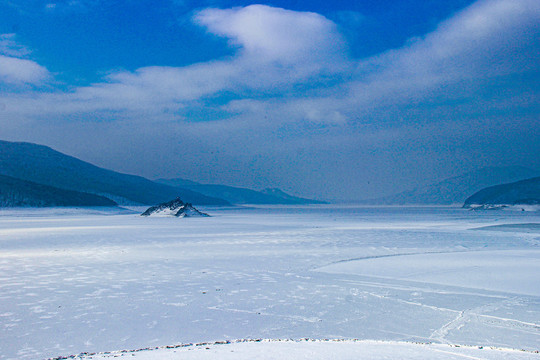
(75, 282)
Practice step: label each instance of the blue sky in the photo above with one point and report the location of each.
(348, 99)
(81, 40)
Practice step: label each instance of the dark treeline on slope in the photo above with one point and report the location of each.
(21, 193)
(519, 192)
(43, 165)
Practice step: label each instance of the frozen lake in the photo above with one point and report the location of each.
(88, 281)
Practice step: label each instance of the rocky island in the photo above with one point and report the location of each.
(176, 208)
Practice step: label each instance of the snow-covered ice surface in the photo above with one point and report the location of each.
(87, 281)
(515, 271)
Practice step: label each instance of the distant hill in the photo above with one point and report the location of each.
(43, 165)
(519, 192)
(456, 189)
(236, 195)
(20, 193)
(278, 193)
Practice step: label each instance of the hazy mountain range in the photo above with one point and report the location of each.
(36, 175)
(236, 195)
(456, 189)
(43, 165)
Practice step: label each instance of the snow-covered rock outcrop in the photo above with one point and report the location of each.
(175, 207)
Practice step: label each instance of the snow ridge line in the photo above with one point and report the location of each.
(237, 341)
(397, 254)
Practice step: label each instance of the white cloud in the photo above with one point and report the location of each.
(489, 38)
(273, 34)
(280, 49)
(453, 65)
(21, 71)
(14, 69)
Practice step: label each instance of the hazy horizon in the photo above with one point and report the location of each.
(353, 100)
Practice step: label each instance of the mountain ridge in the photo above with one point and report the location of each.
(44, 165)
(454, 190)
(238, 195)
(21, 193)
(524, 192)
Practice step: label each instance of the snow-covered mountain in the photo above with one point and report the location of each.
(174, 207)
